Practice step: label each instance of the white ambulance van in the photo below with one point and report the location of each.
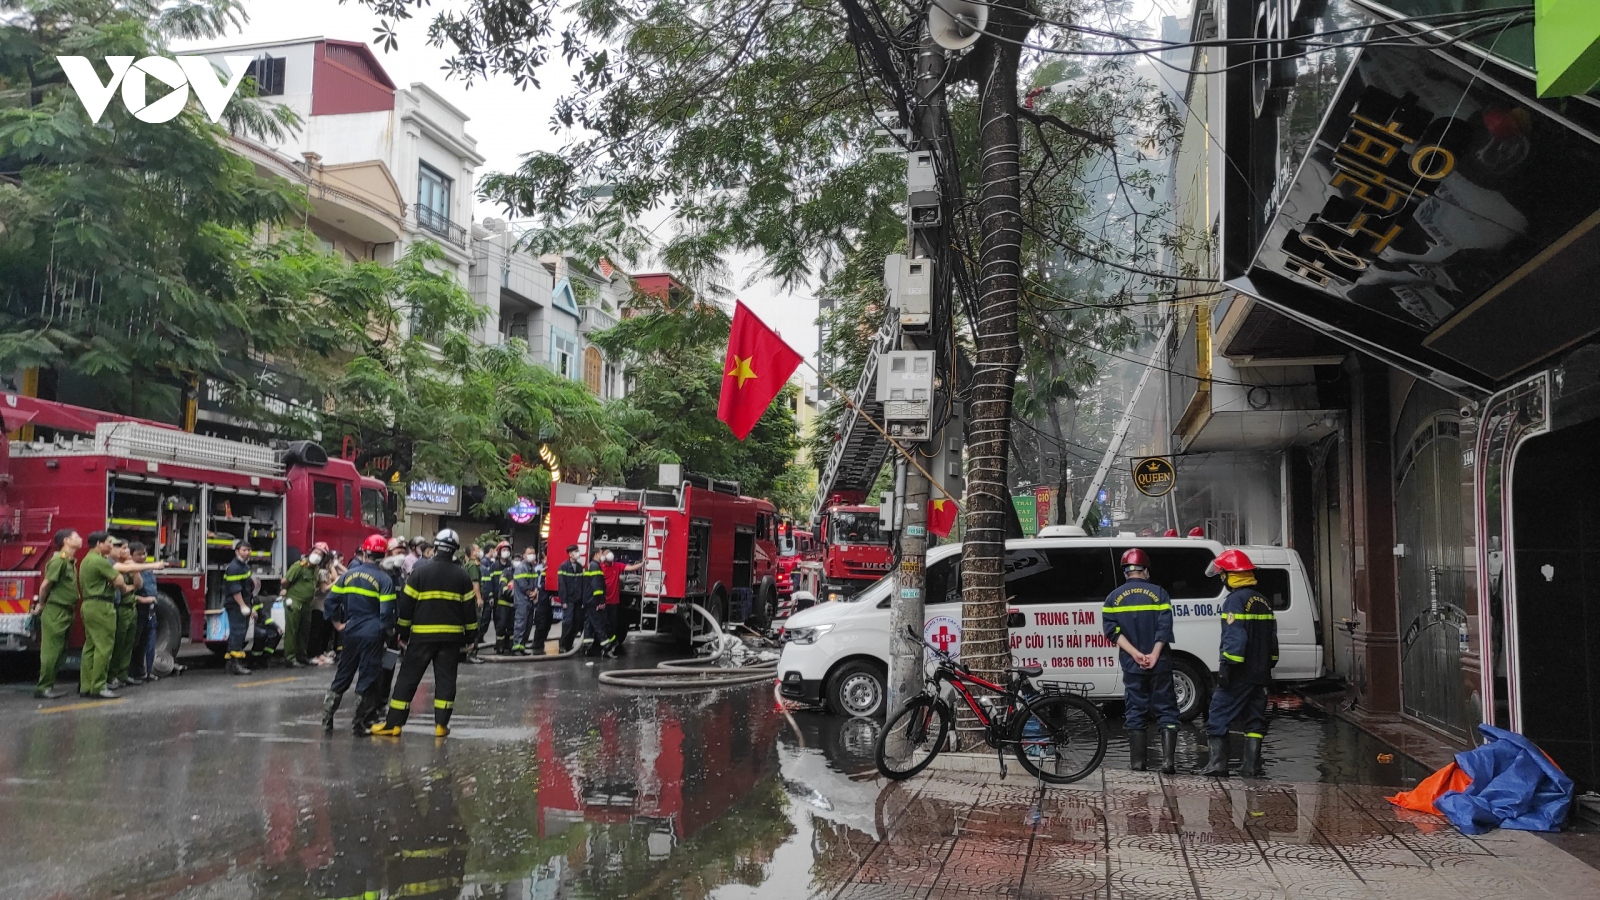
(837, 654)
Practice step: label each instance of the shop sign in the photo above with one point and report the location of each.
(1027, 513)
(433, 497)
(523, 511)
(1154, 476)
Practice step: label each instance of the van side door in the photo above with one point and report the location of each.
(1060, 591)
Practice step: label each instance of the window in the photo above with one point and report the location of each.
(268, 73)
(324, 498)
(349, 501)
(433, 199)
(1059, 575)
(941, 581)
(1181, 570)
(856, 528)
(563, 353)
(592, 365)
(1274, 583)
(372, 507)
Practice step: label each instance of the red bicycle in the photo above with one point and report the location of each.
(1055, 732)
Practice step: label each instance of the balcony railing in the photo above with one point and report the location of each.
(438, 222)
(596, 319)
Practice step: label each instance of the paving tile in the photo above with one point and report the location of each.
(861, 891)
(1148, 882)
(1237, 886)
(995, 873)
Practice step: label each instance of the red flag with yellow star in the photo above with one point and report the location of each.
(942, 516)
(757, 367)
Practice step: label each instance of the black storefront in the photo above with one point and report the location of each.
(1420, 205)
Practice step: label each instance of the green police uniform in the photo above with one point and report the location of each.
(59, 608)
(97, 579)
(127, 627)
(300, 587)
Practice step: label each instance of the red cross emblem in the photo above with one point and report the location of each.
(943, 639)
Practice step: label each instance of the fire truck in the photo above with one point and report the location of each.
(856, 550)
(701, 543)
(186, 496)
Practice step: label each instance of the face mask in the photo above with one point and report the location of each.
(316, 559)
(392, 562)
(529, 559)
(505, 555)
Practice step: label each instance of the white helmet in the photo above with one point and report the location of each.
(447, 541)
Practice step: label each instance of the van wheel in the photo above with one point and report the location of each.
(1193, 688)
(169, 634)
(858, 689)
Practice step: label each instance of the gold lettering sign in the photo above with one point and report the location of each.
(1154, 476)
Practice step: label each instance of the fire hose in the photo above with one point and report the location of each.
(701, 673)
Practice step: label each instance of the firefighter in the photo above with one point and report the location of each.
(611, 611)
(524, 597)
(1249, 651)
(361, 606)
(1138, 616)
(239, 586)
(493, 585)
(299, 591)
(437, 623)
(474, 568)
(543, 614)
(594, 625)
(55, 607)
(575, 587)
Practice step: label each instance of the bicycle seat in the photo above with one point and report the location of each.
(1027, 671)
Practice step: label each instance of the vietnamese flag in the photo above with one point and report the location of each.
(942, 516)
(757, 367)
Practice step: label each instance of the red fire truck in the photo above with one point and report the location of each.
(856, 551)
(186, 496)
(701, 543)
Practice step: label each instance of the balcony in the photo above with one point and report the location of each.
(437, 223)
(359, 198)
(596, 318)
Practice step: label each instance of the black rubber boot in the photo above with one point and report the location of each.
(1250, 759)
(1138, 746)
(330, 705)
(235, 667)
(366, 706)
(1169, 751)
(1218, 763)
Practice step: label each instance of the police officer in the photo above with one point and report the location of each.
(1138, 616)
(361, 606)
(299, 590)
(437, 623)
(239, 586)
(575, 588)
(1249, 651)
(524, 597)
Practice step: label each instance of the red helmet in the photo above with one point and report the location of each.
(1230, 561)
(1196, 531)
(1170, 532)
(1135, 559)
(375, 543)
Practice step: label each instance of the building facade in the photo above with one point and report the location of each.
(1394, 371)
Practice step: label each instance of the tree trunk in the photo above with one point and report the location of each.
(985, 644)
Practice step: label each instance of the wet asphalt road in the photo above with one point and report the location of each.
(550, 786)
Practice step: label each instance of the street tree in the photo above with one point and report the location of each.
(755, 124)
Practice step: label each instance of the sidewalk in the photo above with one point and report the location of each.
(1120, 834)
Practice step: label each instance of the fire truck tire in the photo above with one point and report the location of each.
(858, 688)
(169, 634)
(766, 605)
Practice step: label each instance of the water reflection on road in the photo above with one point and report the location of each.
(551, 787)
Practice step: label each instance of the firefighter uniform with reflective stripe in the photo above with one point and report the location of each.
(1249, 651)
(239, 599)
(364, 600)
(578, 586)
(1141, 611)
(438, 620)
(525, 595)
(496, 587)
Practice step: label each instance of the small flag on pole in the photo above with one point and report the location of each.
(942, 516)
(757, 367)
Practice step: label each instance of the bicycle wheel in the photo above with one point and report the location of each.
(913, 738)
(1059, 738)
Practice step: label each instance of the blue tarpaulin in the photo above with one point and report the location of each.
(1514, 785)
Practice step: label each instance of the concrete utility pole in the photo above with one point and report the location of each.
(906, 614)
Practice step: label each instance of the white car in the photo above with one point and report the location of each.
(837, 654)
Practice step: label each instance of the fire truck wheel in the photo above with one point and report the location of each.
(169, 634)
(766, 605)
(858, 689)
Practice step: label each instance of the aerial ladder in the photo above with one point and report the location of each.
(860, 449)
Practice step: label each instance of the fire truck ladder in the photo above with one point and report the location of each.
(859, 452)
(653, 578)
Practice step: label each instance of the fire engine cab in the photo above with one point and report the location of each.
(856, 550)
(701, 543)
(186, 496)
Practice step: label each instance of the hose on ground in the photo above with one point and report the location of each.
(546, 657)
(701, 673)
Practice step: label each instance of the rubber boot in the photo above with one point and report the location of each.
(235, 667)
(1169, 751)
(330, 705)
(1138, 745)
(367, 713)
(1250, 759)
(1218, 763)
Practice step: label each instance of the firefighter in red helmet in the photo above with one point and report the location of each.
(1249, 651)
(1138, 616)
(361, 606)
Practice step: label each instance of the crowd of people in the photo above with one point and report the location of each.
(399, 608)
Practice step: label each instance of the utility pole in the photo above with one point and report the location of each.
(906, 615)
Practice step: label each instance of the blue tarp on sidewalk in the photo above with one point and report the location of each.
(1514, 785)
